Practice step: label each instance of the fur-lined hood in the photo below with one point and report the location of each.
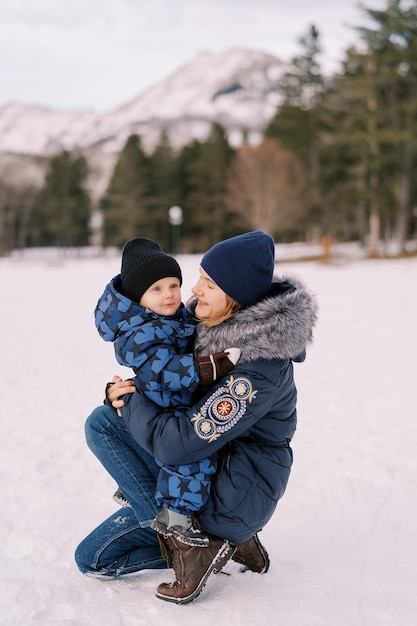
(280, 326)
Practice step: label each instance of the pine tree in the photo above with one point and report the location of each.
(377, 93)
(65, 204)
(163, 190)
(392, 52)
(204, 166)
(125, 210)
(296, 124)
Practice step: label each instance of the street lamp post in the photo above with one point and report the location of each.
(175, 219)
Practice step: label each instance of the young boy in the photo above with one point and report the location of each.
(141, 312)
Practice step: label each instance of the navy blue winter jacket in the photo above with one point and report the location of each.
(248, 418)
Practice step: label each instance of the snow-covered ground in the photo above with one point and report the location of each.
(343, 540)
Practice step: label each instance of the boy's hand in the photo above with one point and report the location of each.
(116, 389)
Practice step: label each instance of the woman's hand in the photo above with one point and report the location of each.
(116, 389)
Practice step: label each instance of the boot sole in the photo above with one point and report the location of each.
(224, 554)
(163, 530)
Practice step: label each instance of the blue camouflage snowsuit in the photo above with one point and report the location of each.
(159, 349)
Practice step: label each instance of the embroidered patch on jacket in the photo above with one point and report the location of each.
(224, 408)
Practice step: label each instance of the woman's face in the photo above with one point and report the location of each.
(211, 299)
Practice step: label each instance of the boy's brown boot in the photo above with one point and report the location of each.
(252, 555)
(192, 567)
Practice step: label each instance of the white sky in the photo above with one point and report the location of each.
(98, 54)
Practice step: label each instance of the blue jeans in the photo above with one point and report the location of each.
(124, 542)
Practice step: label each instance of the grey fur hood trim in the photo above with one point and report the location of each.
(280, 326)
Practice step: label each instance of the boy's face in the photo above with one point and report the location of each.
(163, 297)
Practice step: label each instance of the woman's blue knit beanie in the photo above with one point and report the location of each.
(242, 266)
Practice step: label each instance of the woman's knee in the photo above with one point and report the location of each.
(97, 424)
(119, 546)
(84, 558)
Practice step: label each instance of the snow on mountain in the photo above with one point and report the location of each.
(235, 88)
(39, 130)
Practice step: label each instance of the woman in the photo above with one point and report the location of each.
(248, 419)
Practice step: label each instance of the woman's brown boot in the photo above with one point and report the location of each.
(192, 567)
(252, 555)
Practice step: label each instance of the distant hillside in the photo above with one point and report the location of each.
(234, 88)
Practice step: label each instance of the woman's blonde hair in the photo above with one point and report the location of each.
(231, 308)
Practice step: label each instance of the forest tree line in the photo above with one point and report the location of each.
(338, 159)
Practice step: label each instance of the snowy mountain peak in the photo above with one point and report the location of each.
(207, 78)
(235, 88)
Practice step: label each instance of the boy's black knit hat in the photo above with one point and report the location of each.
(143, 263)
